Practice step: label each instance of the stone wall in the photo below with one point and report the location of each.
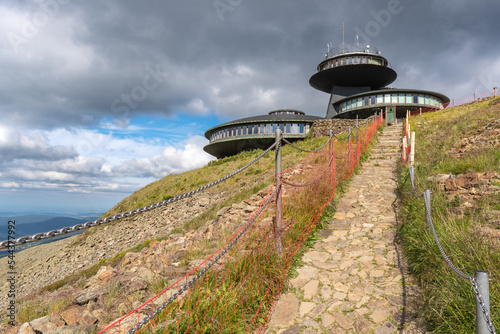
(322, 127)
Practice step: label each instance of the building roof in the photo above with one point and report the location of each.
(266, 119)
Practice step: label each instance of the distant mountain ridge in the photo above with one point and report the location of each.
(32, 224)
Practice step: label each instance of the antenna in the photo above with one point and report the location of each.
(342, 36)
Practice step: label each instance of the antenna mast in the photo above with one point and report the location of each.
(342, 36)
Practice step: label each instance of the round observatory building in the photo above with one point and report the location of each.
(257, 132)
(356, 79)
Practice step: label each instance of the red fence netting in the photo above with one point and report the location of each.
(236, 288)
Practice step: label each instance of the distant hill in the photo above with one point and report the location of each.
(32, 224)
(24, 229)
(27, 219)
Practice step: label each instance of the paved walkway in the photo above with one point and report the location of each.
(352, 281)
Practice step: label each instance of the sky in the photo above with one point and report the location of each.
(100, 98)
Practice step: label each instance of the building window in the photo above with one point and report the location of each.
(282, 127)
(373, 99)
(250, 129)
(401, 98)
(415, 98)
(307, 128)
(387, 98)
(348, 104)
(295, 128)
(275, 126)
(408, 98)
(380, 99)
(288, 128)
(394, 98)
(360, 102)
(301, 128)
(268, 128)
(421, 99)
(367, 101)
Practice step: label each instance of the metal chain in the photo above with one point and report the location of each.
(340, 138)
(312, 182)
(412, 180)
(303, 150)
(427, 199)
(471, 279)
(204, 270)
(54, 233)
(486, 315)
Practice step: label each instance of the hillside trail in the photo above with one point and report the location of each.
(354, 280)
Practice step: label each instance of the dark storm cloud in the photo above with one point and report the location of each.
(117, 59)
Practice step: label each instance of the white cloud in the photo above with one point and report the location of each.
(108, 164)
(171, 160)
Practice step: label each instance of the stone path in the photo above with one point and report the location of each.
(353, 280)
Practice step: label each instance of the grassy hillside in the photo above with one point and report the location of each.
(463, 141)
(241, 186)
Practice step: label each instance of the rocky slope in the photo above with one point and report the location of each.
(90, 303)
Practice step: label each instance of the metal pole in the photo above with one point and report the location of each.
(412, 149)
(484, 290)
(330, 149)
(279, 212)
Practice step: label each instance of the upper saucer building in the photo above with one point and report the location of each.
(356, 79)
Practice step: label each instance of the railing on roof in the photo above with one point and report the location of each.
(348, 48)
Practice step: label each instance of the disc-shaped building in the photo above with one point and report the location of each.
(356, 80)
(257, 132)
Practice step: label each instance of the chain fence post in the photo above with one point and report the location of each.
(331, 140)
(279, 212)
(484, 290)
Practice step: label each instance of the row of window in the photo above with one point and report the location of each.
(257, 129)
(286, 112)
(352, 60)
(391, 99)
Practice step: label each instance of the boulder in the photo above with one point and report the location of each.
(47, 324)
(78, 315)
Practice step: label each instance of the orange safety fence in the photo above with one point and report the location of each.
(235, 289)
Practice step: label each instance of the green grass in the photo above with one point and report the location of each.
(448, 300)
(308, 209)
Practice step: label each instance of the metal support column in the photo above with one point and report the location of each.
(483, 286)
(279, 212)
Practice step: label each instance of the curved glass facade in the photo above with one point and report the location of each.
(352, 60)
(391, 99)
(295, 128)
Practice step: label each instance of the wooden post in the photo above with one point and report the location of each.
(403, 153)
(412, 149)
